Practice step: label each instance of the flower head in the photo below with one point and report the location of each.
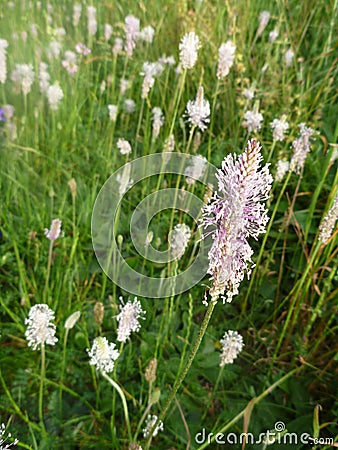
(252, 121)
(198, 111)
(55, 230)
(279, 128)
(264, 18)
(3, 62)
(188, 47)
(282, 168)
(72, 319)
(151, 420)
(226, 56)
(103, 354)
(301, 147)
(132, 29)
(232, 345)
(23, 77)
(123, 146)
(54, 95)
(40, 329)
(273, 35)
(178, 240)
(92, 23)
(288, 57)
(128, 319)
(236, 212)
(196, 170)
(328, 223)
(112, 110)
(158, 120)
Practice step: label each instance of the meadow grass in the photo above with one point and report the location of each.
(53, 165)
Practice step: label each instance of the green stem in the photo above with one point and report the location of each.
(124, 403)
(42, 377)
(50, 254)
(185, 370)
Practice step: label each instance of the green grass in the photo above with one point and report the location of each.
(286, 312)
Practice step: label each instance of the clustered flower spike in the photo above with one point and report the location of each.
(282, 169)
(40, 329)
(103, 354)
(178, 240)
(252, 121)
(151, 420)
(132, 29)
(196, 170)
(226, 56)
(198, 111)
(3, 60)
(55, 230)
(188, 47)
(232, 345)
(301, 147)
(128, 319)
(279, 128)
(236, 212)
(124, 146)
(328, 223)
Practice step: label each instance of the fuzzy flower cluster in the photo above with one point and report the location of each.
(188, 47)
(70, 62)
(23, 77)
(236, 212)
(252, 121)
(328, 223)
(82, 49)
(279, 128)
(132, 29)
(288, 57)
(4, 445)
(92, 23)
(301, 147)
(123, 146)
(77, 10)
(112, 111)
(128, 319)
(150, 422)
(196, 170)
(124, 179)
(158, 121)
(3, 60)
(40, 329)
(150, 71)
(55, 230)
(226, 56)
(232, 345)
(54, 96)
(264, 18)
(198, 111)
(178, 240)
(282, 168)
(103, 354)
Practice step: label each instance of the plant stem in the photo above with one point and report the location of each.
(185, 370)
(124, 403)
(50, 253)
(42, 377)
